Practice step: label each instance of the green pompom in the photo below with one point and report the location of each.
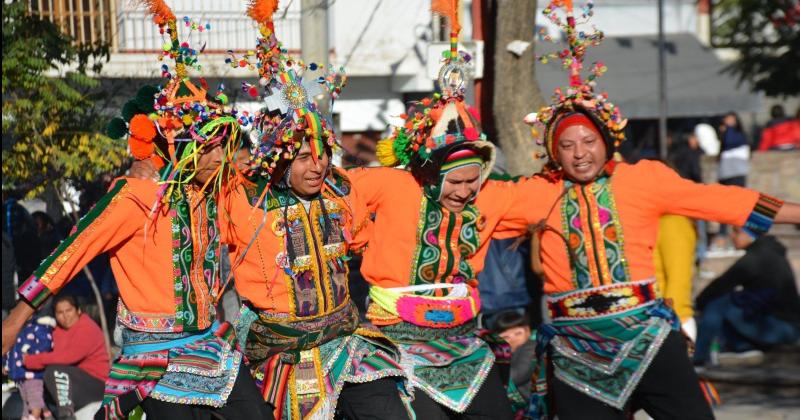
(401, 147)
(117, 128)
(145, 97)
(130, 109)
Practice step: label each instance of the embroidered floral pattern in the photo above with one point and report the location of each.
(440, 232)
(314, 254)
(195, 257)
(594, 234)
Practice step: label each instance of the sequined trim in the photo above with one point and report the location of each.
(147, 322)
(632, 382)
(217, 401)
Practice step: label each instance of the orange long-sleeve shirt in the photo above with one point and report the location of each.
(142, 259)
(624, 224)
(396, 199)
(315, 283)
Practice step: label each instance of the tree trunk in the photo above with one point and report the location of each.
(515, 92)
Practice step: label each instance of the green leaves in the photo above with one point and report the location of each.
(51, 125)
(766, 34)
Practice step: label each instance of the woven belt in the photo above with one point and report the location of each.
(390, 307)
(602, 301)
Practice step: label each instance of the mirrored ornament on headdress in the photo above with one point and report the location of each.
(454, 74)
(291, 93)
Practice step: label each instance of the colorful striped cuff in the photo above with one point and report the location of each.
(760, 220)
(34, 291)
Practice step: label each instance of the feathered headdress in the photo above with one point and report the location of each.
(443, 119)
(180, 113)
(291, 114)
(579, 95)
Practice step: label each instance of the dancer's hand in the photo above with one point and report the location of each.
(789, 213)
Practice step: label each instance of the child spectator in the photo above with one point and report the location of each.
(36, 337)
(514, 328)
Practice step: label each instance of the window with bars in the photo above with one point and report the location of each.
(86, 21)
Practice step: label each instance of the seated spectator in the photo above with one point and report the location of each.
(781, 133)
(36, 337)
(514, 328)
(753, 304)
(76, 370)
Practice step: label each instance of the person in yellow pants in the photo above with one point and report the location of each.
(674, 261)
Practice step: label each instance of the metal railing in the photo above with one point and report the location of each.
(231, 28)
(126, 28)
(86, 21)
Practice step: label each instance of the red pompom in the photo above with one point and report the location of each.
(143, 131)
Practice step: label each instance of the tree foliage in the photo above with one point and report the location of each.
(52, 124)
(766, 34)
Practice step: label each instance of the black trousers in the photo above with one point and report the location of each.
(490, 403)
(376, 400)
(669, 389)
(244, 402)
(71, 388)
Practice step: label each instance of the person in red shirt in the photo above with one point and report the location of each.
(781, 133)
(77, 368)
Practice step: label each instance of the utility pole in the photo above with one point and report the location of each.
(314, 36)
(662, 85)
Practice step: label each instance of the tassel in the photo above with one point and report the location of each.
(161, 12)
(261, 11)
(384, 151)
(448, 9)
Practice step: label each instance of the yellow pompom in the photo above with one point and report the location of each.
(385, 152)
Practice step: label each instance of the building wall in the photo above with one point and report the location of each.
(775, 173)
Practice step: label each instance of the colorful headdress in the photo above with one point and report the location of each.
(580, 96)
(180, 113)
(290, 114)
(443, 120)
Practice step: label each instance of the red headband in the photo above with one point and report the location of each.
(460, 154)
(573, 119)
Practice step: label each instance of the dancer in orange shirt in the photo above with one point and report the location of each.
(163, 239)
(291, 224)
(432, 225)
(613, 344)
